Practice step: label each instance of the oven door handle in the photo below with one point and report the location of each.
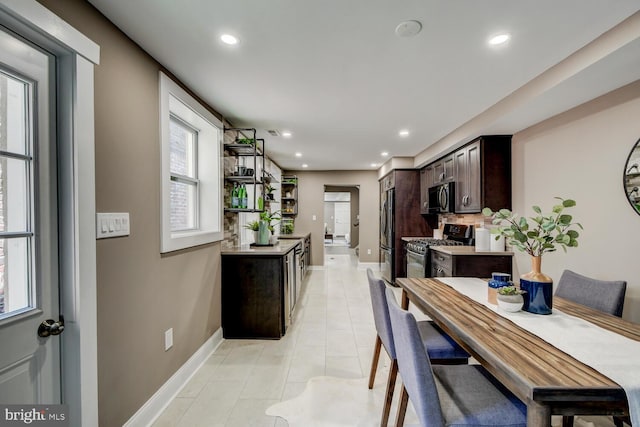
(416, 254)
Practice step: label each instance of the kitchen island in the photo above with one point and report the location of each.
(259, 289)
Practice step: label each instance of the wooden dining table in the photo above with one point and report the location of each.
(546, 379)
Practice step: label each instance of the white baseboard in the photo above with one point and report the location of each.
(375, 266)
(151, 410)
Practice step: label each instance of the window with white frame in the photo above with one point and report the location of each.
(191, 170)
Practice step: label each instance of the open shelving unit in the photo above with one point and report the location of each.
(289, 195)
(248, 150)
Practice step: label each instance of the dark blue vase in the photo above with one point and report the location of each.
(539, 288)
(539, 296)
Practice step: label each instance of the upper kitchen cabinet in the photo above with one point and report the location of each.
(483, 174)
(426, 181)
(444, 169)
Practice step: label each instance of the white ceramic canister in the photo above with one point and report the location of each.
(497, 245)
(482, 240)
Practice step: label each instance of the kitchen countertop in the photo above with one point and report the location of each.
(408, 239)
(293, 236)
(280, 249)
(466, 250)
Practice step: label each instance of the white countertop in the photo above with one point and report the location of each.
(466, 250)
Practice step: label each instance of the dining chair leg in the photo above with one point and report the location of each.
(374, 362)
(567, 421)
(402, 407)
(391, 385)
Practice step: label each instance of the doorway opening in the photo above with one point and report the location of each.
(341, 220)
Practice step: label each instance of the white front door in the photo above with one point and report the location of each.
(29, 363)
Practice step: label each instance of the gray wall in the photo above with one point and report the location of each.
(311, 187)
(140, 293)
(581, 154)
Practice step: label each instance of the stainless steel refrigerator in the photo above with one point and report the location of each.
(387, 237)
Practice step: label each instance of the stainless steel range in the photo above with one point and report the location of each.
(418, 249)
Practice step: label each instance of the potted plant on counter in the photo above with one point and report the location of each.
(536, 236)
(510, 298)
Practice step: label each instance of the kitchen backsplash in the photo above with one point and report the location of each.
(469, 219)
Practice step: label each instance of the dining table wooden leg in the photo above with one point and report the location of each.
(404, 300)
(538, 415)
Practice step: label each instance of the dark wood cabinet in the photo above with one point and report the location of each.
(454, 265)
(255, 296)
(426, 181)
(483, 174)
(444, 169)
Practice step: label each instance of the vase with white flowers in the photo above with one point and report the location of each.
(536, 236)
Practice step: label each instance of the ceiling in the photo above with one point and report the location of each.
(336, 76)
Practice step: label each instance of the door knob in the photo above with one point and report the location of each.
(51, 327)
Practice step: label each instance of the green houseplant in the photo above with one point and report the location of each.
(268, 189)
(263, 228)
(537, 235)
(510, 298)
(543, 234)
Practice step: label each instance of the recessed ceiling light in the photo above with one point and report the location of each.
(403, 133)
(286, 134)
(384, 154)
(298, 154)
(499, 39)
(373, 165)
(408, 28)
(229, 39)
(304, 165)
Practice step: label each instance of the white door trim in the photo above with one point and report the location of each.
(77, 56)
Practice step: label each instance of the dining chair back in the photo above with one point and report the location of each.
(603, 295)
(442, 349)
(381, 313)
(444, 395)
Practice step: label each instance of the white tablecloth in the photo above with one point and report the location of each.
(611, 354)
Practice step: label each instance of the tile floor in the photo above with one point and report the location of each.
(332, 334)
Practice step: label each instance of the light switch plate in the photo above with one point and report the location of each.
(112, 225)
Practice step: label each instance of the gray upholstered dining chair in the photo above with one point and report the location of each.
(603, 295)
(447, 395)
(441, 348)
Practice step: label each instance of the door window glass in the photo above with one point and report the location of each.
(16, 196)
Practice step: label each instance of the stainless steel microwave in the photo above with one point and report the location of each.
(442, 198)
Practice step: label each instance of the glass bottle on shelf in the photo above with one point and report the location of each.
(243, 197)
(234, 196)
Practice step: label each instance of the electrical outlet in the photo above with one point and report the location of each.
(168, 339)
(368, 251)
(313, 217)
